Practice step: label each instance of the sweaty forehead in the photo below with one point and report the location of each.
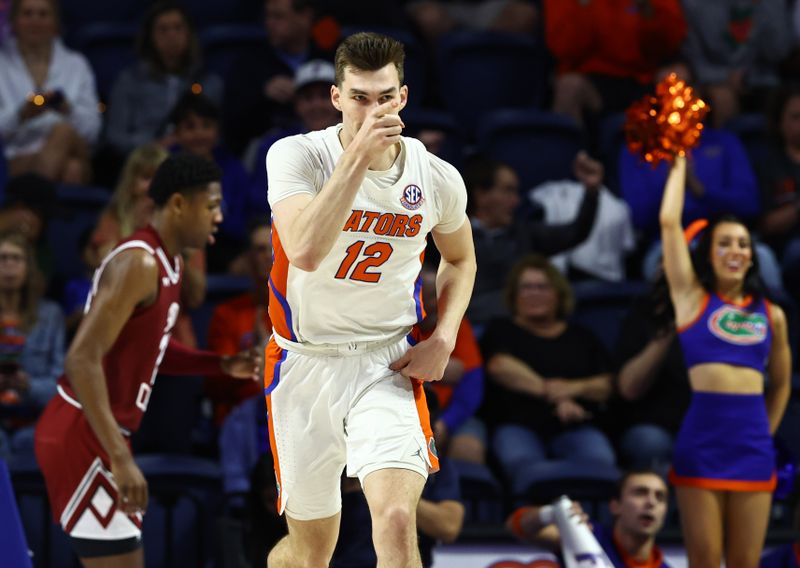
(381, 80)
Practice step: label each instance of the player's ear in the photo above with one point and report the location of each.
(336, 98)
(177, 203)
(403, 97)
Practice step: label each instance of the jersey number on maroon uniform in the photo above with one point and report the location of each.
(146, 388)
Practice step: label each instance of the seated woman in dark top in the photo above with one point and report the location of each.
(548, 378)
(652, 384)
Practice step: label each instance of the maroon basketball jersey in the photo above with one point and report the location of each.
(132, 363)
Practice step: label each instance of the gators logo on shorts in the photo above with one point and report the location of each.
(432, 447)
(735, 326)
(412, 197)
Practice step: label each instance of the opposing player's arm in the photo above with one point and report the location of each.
(130, 279)
(309, 224)
(779, 368)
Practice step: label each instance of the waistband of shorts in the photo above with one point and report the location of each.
(349, 349)
(72, 402)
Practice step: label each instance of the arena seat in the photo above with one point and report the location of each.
(224, 44)
(184, 494)
(12, 536)
(539, 145)
(481, 493)
(482, 71)
(543, 482)
(601, 306)
(110, 47)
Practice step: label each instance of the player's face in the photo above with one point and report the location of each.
(13, 267)
(203, 215)
(731, 252)
(641, 509)
(536, 296)
(361, 91)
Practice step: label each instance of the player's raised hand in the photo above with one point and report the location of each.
(380, 130)
(131, 485)
(244, 365)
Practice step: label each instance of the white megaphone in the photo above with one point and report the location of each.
(578, 545)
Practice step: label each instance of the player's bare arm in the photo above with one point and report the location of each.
(129, 280)
(428, 359)
(309, 226)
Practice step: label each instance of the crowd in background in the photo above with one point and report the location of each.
(527, 384)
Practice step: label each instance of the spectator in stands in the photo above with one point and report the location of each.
(652, 384)
(238, 324)
(31, 345)
(639, 509)
(169, 65)
(312, 104)
(501, 238)
(195, 120)
(260, 86)
(779, 174)
(434, 18)
(602, 255)
(719, 180)
(548, 378)
(735, 47)
(28, 204)
(48, 104)
(440, 515)
(608, 52)
(459, 435)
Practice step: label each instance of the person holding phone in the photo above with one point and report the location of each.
(49, 114)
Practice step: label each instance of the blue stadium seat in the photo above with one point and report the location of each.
(611, 139)
(76, 14)
(184, 495)
(480, 72)
(415, 67)
(481, 493)
(212, 12)
(752, 131)
(419, 119)
(78, 210)
(109, 47)
(539, 145)
(223, 44)
(601, 306)
(583, 481)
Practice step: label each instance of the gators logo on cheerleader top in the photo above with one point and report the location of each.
(735, 326)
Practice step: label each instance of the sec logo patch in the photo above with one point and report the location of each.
(412, 197)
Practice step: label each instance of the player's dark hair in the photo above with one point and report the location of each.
(182, 173)
(368, 51)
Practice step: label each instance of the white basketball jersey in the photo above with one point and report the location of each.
(368, 287)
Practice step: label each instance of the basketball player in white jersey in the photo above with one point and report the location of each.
(352, 206)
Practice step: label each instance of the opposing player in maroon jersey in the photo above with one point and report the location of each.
(96, 491)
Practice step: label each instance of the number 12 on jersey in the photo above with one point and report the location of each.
(372, 256)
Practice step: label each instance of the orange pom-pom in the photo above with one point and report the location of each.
(667, 124)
